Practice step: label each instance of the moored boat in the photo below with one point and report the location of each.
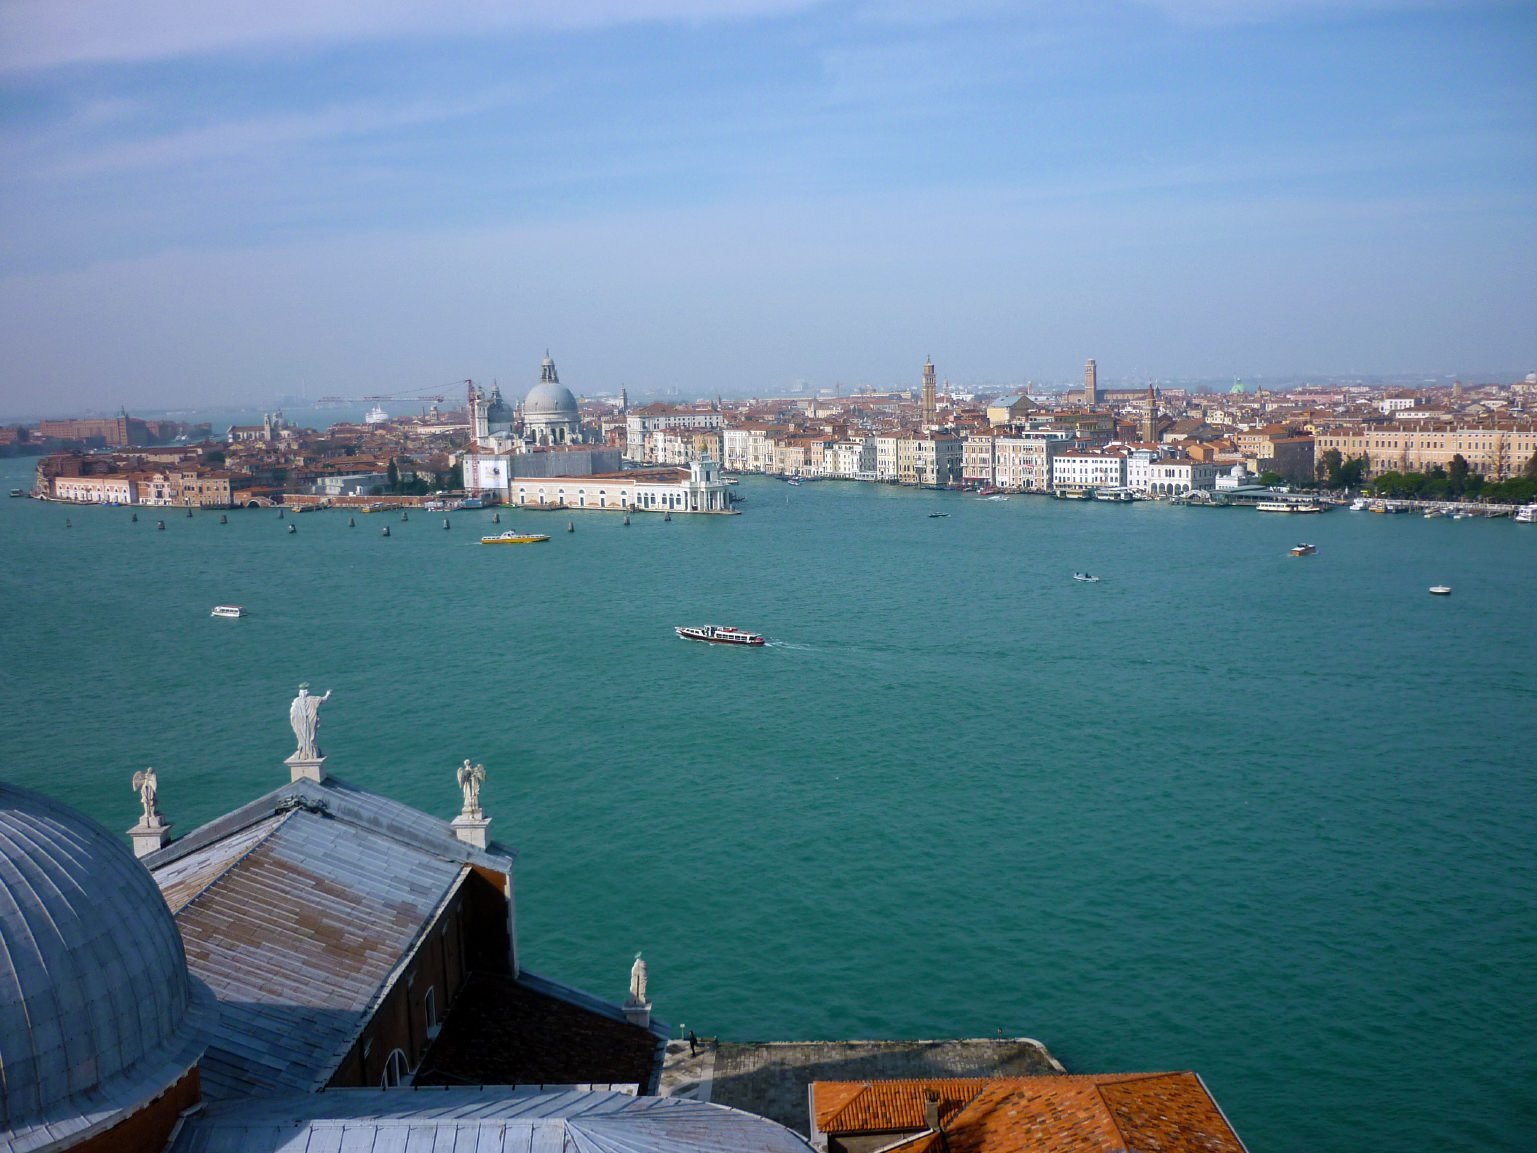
(1289, 506)
(511, 537)
(228, 611)
(1526, 514)
(717, 635)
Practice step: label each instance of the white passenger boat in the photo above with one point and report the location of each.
(1288, 506)
(230, 611)
(1358, 505)
(1526, 514)
(717, 635)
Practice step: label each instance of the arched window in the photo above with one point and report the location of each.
(395, 1069)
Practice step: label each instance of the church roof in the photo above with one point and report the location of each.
(484, 1120)
(97, 1013)
(296, 910)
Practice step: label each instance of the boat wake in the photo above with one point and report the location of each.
(794, 646)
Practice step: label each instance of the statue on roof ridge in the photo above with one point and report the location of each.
(144, 784)
(470, 778)
(304, 715)
(638, 981)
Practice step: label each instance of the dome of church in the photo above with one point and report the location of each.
(549, 397)
(498, 411)
(97, 1012)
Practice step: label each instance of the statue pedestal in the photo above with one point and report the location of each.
(638, 1013)
(301, 769)
(471, 830)
(149, 836)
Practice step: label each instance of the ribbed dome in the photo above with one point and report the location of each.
(95, 998)
(549, 397)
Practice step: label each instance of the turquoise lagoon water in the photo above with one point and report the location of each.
(1264, 817)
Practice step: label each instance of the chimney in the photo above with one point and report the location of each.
(931, 1110)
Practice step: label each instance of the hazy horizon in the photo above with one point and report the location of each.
(213, 209)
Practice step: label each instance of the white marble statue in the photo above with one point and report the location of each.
(304, 715)
(144, 785)
(638, 981)
(470, 777)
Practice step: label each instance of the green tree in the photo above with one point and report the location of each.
(1271, 479)
(1350, 473)
(1457, 475)
(1529, 470)
(392, 474)
(1328, 469)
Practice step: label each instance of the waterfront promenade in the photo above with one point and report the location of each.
(1226, 810)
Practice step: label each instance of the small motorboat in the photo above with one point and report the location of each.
(1304, 549)
(1085, 578)
(1440, 590)
(937, 515)
(510, 537)
(227, 611)
(717, 635)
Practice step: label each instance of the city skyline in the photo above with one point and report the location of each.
(738, 197)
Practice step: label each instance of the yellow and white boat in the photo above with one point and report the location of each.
(515, 538)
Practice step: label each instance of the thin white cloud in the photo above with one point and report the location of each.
(257, 135)
(39, 34)
(1209, 12)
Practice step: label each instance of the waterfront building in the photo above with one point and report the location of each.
(695, 489)
(1495, 449)
(1024, 458)
(979, 457)
(1181, 475)
(937, 459)
(111, 431)
(749, 447)
(851, 458)
(113, 488)
(1079, 469)
(653, 417)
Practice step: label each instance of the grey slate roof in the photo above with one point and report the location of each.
(296, 910)
(97, 1013)
(578, 1120)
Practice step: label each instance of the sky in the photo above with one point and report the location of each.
(222, 204)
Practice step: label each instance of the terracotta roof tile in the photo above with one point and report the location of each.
(1107, 1113)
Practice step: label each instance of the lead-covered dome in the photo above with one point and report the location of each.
(549, 397)
(97, 1011)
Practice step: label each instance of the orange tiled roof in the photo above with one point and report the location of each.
(1109, 1113)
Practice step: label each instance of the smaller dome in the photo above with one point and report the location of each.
(97, 1011)
(549, 397)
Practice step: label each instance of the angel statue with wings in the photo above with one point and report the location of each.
(470, 777)
(144, 785)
